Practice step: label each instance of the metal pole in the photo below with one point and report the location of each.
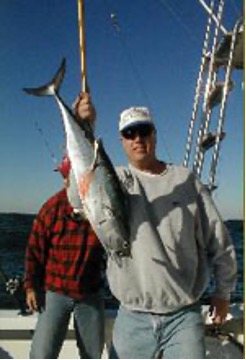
(82, 44)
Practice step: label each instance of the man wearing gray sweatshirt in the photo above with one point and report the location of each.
(177, 240)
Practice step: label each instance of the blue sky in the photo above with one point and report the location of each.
(154, 61)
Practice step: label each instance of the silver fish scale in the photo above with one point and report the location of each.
(96, 181)
(99, 187)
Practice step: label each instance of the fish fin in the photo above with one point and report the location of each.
(53, 86)
(97, 146)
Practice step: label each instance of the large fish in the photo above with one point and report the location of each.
(98, 186)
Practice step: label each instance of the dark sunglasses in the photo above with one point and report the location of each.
(142, 131)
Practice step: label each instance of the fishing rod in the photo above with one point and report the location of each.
(81, 23)
(84, 85)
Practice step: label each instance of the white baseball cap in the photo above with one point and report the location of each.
(135, 116)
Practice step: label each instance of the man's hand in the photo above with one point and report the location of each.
(219, 310)
(84, 109)
(31, 300)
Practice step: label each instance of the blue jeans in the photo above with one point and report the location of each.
(53, 323)
(177, 335)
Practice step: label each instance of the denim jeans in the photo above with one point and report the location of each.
(177, 335)
(53, 323)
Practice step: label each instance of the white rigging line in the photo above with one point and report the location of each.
(216, 20)
(118, 29)
(178, 17)
(236, 7)
(124, 43)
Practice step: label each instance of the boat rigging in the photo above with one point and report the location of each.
(222, 53)
(226, 55)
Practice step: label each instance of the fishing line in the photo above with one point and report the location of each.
(118, 29)
(236, 8)
(46, 143)
(178, 17)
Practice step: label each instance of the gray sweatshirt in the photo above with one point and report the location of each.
(176, 237)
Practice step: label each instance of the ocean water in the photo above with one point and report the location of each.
(14, 232)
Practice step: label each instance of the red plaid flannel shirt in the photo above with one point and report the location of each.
(63, 254)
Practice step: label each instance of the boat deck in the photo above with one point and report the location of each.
(16, 333)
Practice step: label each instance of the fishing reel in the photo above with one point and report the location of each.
(13, 285)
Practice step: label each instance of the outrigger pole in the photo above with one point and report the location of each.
(81, 21)
(216, 20)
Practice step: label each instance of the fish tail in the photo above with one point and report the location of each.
(52, 88)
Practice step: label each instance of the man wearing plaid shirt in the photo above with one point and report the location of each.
(65, 259)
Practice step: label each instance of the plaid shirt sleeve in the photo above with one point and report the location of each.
(37, 247)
